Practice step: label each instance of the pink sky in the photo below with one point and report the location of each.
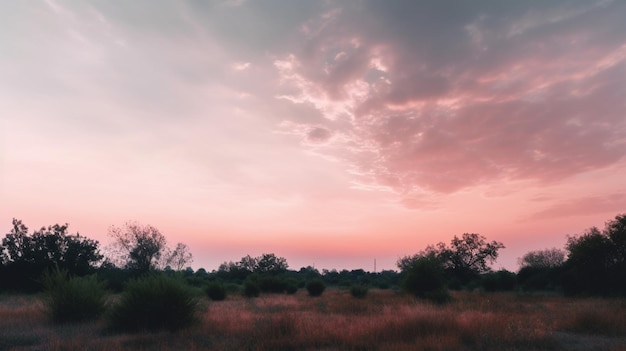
(331, 134)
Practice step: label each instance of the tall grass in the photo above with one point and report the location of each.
(383, 320)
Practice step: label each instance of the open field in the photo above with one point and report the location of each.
(384, 320)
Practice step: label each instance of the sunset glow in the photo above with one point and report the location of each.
(330, 133)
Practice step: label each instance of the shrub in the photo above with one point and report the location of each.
(156, 302)
(358, 291)
(216, 291)
(251, 289)
(73, 299)
(502, 280)
(291, 288)
(425, 278)
(272, 284)
(315, 287)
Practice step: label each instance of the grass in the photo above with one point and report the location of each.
(383, 320)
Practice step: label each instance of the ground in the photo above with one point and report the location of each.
(383, 320)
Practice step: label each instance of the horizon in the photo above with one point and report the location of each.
(329, 134)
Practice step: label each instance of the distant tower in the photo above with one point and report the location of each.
(374, 265)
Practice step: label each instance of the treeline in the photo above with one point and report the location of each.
(593, 263)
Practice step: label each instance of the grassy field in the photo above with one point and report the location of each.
(384, 320)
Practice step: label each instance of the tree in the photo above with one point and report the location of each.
(269, 263)
(180, 257)
(548, 258)
(50, 246)
(26, 256)
(139, 248)
(596, 263)
(468, 256)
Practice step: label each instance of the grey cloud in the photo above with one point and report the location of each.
(318, 135)
(475, 92)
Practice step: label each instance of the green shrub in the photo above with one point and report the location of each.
(425, 278)
(315, 287)
(358, 291)
(216, 291)
(272, 284)
(73, 299)
(383, 285)
(292, 288)
(502, 280)
(156, 302)
(251, 289)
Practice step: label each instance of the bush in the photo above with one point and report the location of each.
(156, 302)
(73, 299)
(291, 288)
(425, 278)
(216, 291)
(251, 289)
(315, 287)
(502, 280)
(358, 291)
(272, 284)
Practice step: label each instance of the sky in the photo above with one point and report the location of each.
(330, 133)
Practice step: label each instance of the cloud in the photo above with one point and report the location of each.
(438, 98)
(318, 135)
(582, 206)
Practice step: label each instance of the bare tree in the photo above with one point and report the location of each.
(180, 257)
(138, 247)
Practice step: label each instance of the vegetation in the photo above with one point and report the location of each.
(482, 313)
(25, 257)
(425, 278)
(359, 291)
(251, 289)
(155, 302)
(385, 320)
(216, 291)
(73, 299)
(315, 287)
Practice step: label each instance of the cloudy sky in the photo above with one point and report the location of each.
(330, 133)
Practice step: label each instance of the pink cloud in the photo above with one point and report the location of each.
(582, 206)
(488, 102)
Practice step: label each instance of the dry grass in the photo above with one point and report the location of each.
(384, 320)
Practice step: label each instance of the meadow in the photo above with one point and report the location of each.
(382, 320)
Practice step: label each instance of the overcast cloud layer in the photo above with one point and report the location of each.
(277, 122)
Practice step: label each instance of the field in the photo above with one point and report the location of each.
(383, 320)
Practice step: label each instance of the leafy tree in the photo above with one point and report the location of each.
(468, 256)
(27, 256)
(139, 248)
(269, 263)
(264, 264)
(596, 263)
(548, 258)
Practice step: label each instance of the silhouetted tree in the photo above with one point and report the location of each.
(26, 257)
(180, 257)
(548, 258)
(139, 248)
(468, 256)
(541, 270)
(596, 263)
(269, 263)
